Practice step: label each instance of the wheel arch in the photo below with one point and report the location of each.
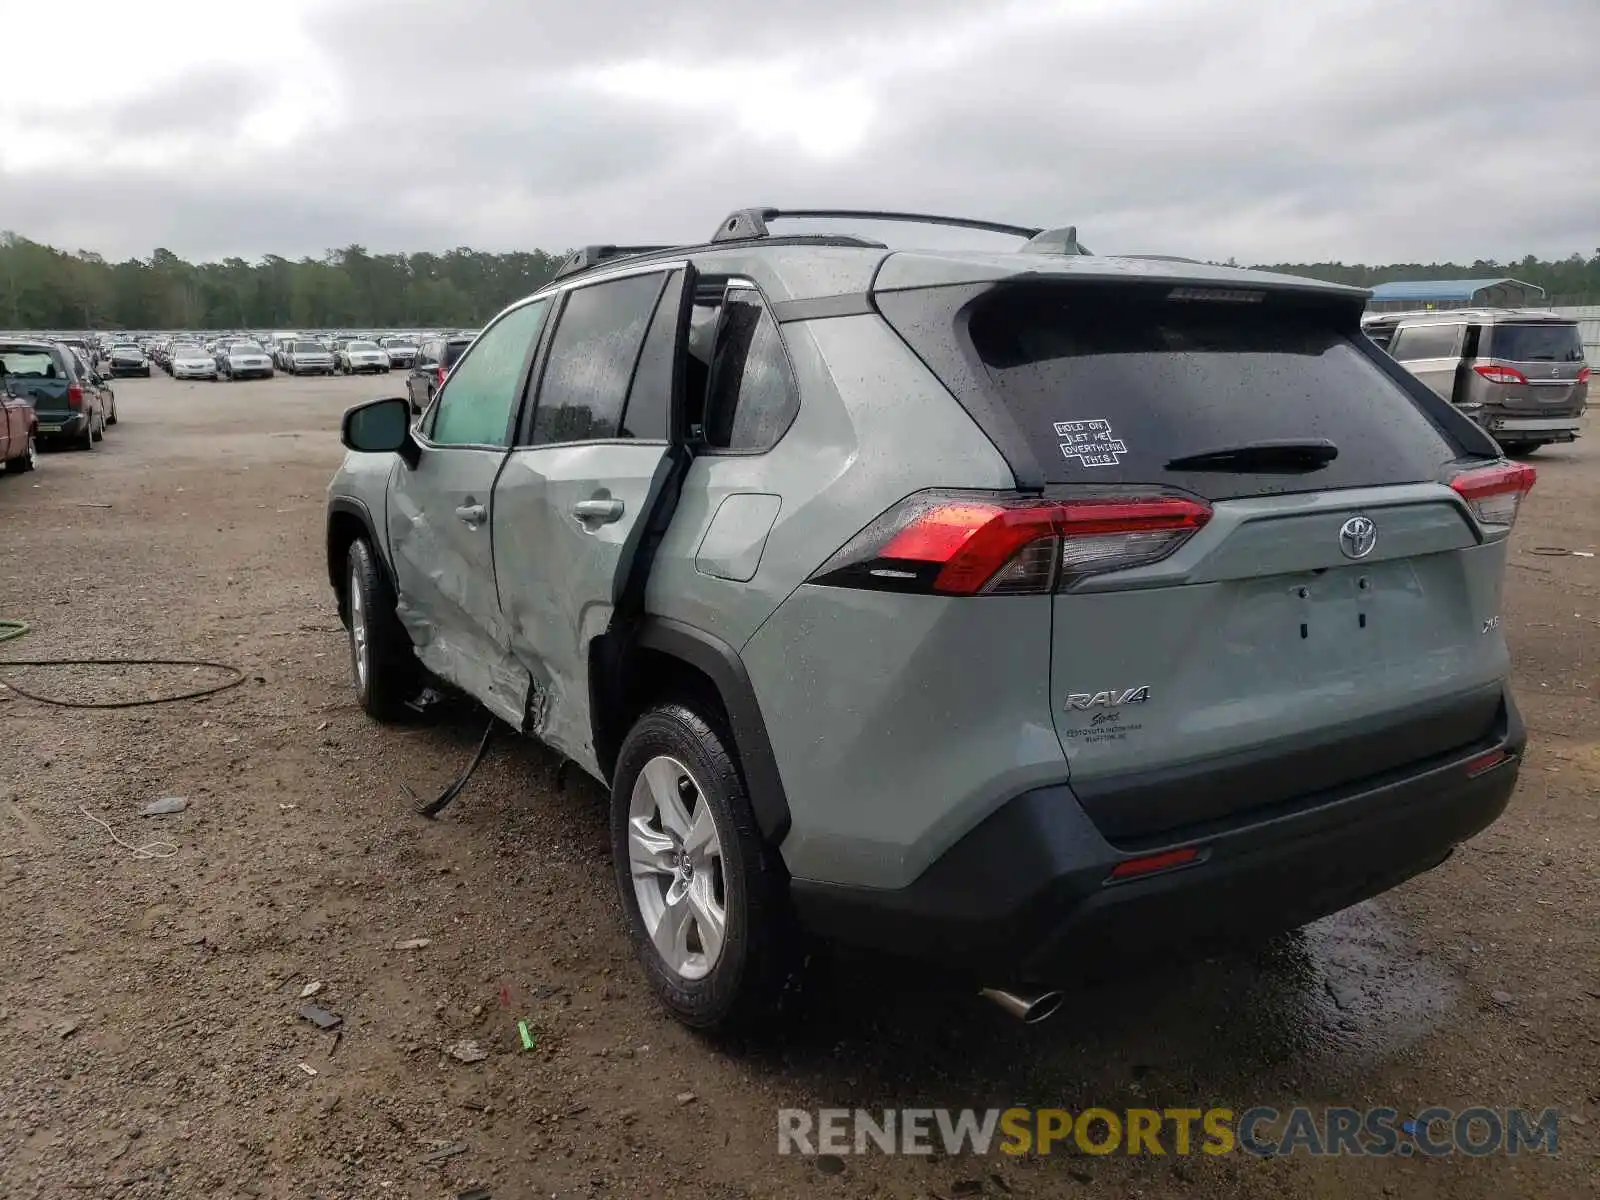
(349, 519)
(659, 658)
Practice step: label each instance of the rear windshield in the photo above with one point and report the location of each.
(1536, 343)
(1109, 386)
(452, 351)
(30, 364)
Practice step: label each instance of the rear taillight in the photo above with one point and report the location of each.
(438, 376)
(74, 395)
(1495, 373)
(1583, 375)
(1495, 493)
(981, 543)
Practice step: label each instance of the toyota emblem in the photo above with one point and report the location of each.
(1357, 537)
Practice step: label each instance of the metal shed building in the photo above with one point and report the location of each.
(1404, 295)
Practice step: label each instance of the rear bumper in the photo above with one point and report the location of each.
(1534, 429)
(54, 426)
(1026, 896)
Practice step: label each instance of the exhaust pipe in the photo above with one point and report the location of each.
(1029, 1009)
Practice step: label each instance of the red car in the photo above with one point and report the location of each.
(19, 428)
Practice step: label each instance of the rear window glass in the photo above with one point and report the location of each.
(1107, 388)
(310, 348)
(452, 351)
(1536, 343)
(32, 364)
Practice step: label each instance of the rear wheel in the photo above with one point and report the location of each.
(100, 429)
(87, 439)
(112, 419)
(1520, 449)
(382, 662)
(704, 898)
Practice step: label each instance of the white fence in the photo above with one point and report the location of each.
(1588, 319)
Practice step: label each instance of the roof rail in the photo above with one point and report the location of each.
(585, 257)
(745, 224)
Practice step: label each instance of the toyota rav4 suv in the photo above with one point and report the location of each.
(994, 608)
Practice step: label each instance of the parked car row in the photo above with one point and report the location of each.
(50, 394)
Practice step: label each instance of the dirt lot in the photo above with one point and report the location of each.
(149, 1043)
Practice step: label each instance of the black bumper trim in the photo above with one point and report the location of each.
(1024, 896)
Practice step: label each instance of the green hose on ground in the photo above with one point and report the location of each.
(12, 629)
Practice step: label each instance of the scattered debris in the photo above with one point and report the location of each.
(320, 1017)
(526, 1034)
(444, 1152)
(475, 1194)
(687, 1097)
(90, 504)
(287, 807)
(311, 989)
(309, 1070)
(413, 943)
(1583, 554)
(1501, 998)
(967, 1187)
(165, 807)
(1550, 551)
(468, 1052)
(67, 1030)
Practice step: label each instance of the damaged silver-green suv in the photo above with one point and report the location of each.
(997, 609)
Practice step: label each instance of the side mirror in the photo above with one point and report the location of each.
(381, 427)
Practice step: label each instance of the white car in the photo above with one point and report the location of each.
(192, 362)
(244, 360)
(357, 357)
(402, 351)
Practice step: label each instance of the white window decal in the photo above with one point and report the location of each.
(1090, 442)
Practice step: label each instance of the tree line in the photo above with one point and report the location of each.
(42, 287)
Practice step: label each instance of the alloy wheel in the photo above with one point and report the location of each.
(675, 857)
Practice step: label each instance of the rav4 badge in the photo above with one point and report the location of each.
(1083, 701)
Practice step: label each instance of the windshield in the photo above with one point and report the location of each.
(399, 344)
(188, 352)
(126, 349)
(33, 364)
(361, 346)
(309, 348)
(1536, 343)
(244, 348)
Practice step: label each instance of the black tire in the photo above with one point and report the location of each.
(759, 951)
(112, 419)
(393, 675)
(87, 440)
(1520, 449)
(98, 432)
(27, 460)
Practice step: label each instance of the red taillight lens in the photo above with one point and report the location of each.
(964, 544)
(1495, 373)
(74, 395)
(1494, 494)
(1152, 864)
(438, 376)
(1583, 375)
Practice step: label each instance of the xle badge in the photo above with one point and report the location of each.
(1084, 701)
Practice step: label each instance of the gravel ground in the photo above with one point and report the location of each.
(149, 1042)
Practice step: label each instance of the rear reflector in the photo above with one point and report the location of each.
(1486, 762)
(1151, 864)
(1585, 375)
(971, 543)
(1496, 373)
(1494, 494)
(74, 395)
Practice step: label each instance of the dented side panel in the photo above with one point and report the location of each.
(443, 553)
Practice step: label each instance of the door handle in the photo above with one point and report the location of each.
(473, 514)
(602, 511)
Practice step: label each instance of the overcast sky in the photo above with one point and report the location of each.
(1269, 131)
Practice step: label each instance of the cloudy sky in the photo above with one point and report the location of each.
(1264, 130)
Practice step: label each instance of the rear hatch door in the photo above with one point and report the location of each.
(1329, 622)
(42, 375)
(1548, 358)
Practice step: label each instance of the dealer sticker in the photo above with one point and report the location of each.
(1091, 442)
